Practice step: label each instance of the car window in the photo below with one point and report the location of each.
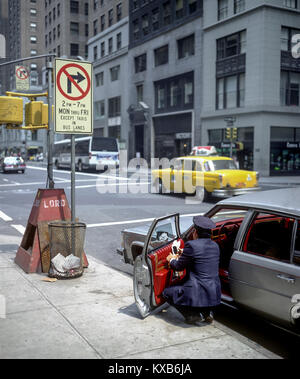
(270, 235)
(222, 165)
(229, 214)
(163, 233)
(197, 166)
(296, 256)
(178, 165)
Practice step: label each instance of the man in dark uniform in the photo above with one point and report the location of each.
(201, 290)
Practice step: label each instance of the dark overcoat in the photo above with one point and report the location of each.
(201, 287)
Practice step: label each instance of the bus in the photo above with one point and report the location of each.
(91, 153)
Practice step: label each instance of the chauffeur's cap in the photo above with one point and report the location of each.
(204, 222)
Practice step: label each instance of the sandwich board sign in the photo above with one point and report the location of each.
(22, 78)
(73, 97)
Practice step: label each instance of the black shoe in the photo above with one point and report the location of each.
(193, 320)
(208, 318)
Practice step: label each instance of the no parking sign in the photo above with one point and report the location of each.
(73, 97)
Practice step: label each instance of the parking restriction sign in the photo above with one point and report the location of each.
(22, 78)
(73, 97)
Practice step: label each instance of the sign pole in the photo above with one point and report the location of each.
(73, 177)
(50, 135)
(73, 215)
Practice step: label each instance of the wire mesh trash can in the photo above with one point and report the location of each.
(66, 249)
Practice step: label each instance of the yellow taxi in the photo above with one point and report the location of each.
(207, 175)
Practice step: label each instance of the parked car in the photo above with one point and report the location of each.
(12, 164)
(215, 175)
(259, 239)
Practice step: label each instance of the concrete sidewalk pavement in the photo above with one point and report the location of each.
(95, 317)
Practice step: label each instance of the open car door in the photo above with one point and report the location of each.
(151, 270)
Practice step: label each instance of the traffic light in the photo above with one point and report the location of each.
(234, 133)
(33, 113)
(11, 110)
(228, 133)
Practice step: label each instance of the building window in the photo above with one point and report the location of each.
(222, 9)
(102, 22)
(86, 30)
(33, 12)
(99, 109)
(102, 49)
(136, 29)
(74, 6)
(290, 88)
(119, 41)
(232, 45)
(231, 92)
(287, 34)
(99, 79)
(95, 25)
(167, 13)
(119, 11)
(155, 19)
(115, 73)
(179, 9)
(33, 39)
(192, 6)
(140, 63)
(95, 53)
(86, 9)
(110, 17)
(74, 49)
(140, 93)
(239, 6)
(74, 28)
(175, 93)
(161, 55)
(114, 107)
(186, 46)
(145, 24)
(290, 3)
(110, 45)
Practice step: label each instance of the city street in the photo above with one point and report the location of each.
(106, 215)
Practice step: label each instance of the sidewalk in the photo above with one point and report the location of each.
(95, 317)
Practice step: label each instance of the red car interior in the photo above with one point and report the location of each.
(163, 276)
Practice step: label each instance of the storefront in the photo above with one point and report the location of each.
(173, 135)
(242, 148)
(285, 151)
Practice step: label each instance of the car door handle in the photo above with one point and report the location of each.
(285, 278)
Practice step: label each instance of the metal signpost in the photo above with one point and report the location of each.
(73, 106)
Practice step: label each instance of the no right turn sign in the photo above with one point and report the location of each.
(73, 97)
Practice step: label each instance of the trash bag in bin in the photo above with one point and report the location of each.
(66, 249)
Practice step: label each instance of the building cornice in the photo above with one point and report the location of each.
(247, 11)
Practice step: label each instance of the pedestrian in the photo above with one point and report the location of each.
(200, 291)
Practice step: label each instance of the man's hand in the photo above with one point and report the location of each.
(172, 256)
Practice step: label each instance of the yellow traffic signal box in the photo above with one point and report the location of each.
(234, 133)
(33, 113)
(228, 133)
(11, 110)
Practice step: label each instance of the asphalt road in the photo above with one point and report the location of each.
(106, 214)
